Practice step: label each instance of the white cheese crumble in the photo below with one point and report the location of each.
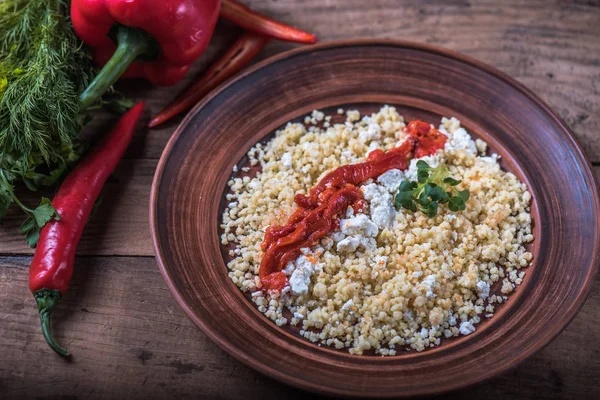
(483, 288)
(373, 132)
(429, 284)
(337, 236)
(347, 305)
(460, 140)
(466, 328)
(391, 180)
(381, 204)
(289, 268)
(348, 245)
(433, 161)
(286, 160)
(355, 231)
(304, 267)
(379, 262)
(360, 224)
(451, 320)
(368, 243)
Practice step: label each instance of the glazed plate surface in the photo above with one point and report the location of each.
(422, 82)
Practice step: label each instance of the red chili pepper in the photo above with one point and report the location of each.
(54, 257)
(166, 36)
(241, 53)
(241, 15)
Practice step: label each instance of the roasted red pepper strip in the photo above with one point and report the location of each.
(429, 138)
(241, 53)
(54, 257)
(241, 15)
(306, 233)
(164, 36)
(318, 212)
(377, 163)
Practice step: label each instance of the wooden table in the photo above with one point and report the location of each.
(128, 337)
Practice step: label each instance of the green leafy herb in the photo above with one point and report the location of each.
(117, 103)
(43, 69)
(31, 227)
(36, 218)
(434, 186)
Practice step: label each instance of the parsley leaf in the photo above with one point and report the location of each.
(31, 227)
(45, 212)
(433, 187)
(30, 231)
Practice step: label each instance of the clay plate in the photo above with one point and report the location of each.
(422, 82)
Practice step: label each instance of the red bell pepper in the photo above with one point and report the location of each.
(167, 36)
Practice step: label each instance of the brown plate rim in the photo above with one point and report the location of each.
(565, 131)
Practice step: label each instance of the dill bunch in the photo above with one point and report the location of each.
(43, 69)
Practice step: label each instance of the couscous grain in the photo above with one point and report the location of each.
(388, 279)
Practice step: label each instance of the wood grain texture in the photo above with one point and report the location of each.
(423, 82)
(550, 46)
(130, 340)
(119, 225)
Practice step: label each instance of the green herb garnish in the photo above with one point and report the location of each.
(434, 186)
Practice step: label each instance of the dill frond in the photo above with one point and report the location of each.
(43, 69)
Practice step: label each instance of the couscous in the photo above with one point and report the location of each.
(387, 278)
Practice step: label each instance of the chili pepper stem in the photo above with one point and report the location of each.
(131, 43)
(47, 300)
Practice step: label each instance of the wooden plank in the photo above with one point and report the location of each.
(550, 46)
(129, 339)
(119, 225)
